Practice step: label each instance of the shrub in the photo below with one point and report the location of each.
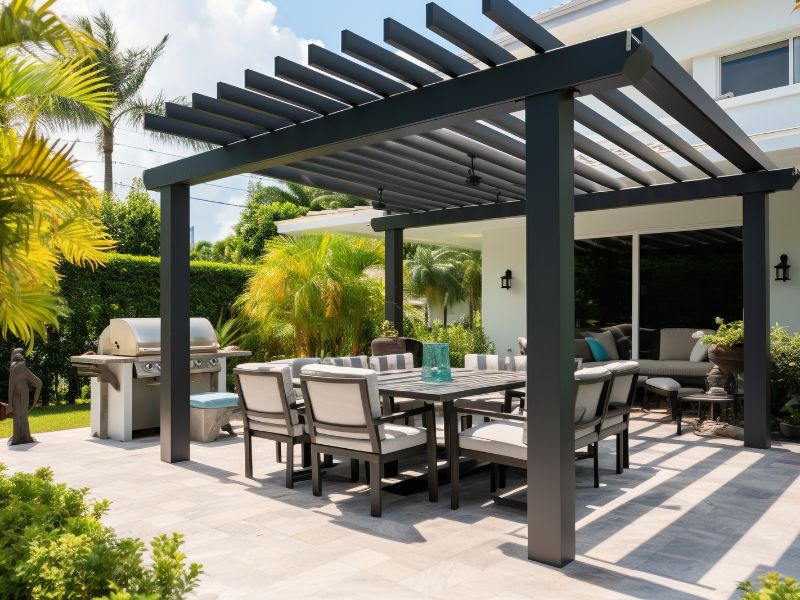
(728, 335)
(773, 586)
(462, 340)
(128, 286)
(54, 546)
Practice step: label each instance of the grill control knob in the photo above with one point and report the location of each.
(197, 363)
(158, 366)
(213, 362)
(148, 366)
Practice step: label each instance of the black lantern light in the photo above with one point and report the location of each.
(505, 280)
(782, 269)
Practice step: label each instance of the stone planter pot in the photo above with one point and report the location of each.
(730, 362)
(789, 431)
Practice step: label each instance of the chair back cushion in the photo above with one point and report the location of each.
(296, 363)
(484, 362)
(359, 362)
(677, 343)
(589, 394)
(392, 362)
(261, 393)
(625, 373)
(340, 402)
(523, 345)
(517, 363)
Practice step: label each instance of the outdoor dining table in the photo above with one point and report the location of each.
(464, 383)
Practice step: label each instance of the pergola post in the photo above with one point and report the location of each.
(394, 278)
(175, 323)
(550, 289)
(755, 261)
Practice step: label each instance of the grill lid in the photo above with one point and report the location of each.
(140, 337)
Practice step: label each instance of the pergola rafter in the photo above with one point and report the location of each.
(377, 125)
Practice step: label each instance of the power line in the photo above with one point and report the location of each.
(191, 197)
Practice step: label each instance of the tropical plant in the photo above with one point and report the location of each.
(54, 546)
(472, 281)
(388, 330)
(793, 414)
(301, 195)
(434, 274)
(728, 335)
(48, 211)
(461, 340)
(773, 587)
(125, 70)
(784, 363)
(318, 286)
(256, 227)
(135, 223)
(202, 250)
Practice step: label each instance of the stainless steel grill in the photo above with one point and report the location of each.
(127, 368)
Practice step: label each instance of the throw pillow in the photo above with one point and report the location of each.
(699, 352)
(582, 349)
(599, 352)
(609, 343)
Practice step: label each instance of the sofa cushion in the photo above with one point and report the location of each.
(599, 352)
(674, 368)
(205, 400)
(699, 352)
(582, 350)
(676, 343)
(609, 343)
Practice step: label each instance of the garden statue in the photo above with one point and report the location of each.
(20, 382)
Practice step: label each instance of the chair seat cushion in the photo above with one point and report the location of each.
(503, 438)
(397, 437)
(261, 425)
(205, 400)
(495, 402)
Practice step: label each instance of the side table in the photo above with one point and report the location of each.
(711, 400)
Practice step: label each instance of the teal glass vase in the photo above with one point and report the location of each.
(436, 362)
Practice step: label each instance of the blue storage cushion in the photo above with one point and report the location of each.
(214, 400)
(599, 353)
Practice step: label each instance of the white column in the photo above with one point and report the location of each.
(635, 284)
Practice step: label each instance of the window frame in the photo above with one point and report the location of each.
(791, 41)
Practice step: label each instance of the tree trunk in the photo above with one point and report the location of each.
(445, 314)
(108, 151)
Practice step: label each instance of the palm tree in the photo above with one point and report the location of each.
(125, 70)
(317, 284)
(302, 195)
(472, 281)
(433, 273)
(49, 211)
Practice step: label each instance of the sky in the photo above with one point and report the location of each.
(216, 40)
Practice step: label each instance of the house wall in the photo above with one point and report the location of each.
(456, 313)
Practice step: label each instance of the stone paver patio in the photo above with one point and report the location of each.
(689, 519)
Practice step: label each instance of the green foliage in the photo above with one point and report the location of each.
(134, 223)
(128, 286)
(256, 227)
(462, 340)
(54, 546)
(793, 412)
(728, 335)
(785, 362)
(388, 330)
(773, 587)
(315, 291)
(301, 195)
(436, 275)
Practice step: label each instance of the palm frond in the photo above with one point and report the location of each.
(24, 26)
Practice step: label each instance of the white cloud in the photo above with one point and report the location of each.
(210, 41)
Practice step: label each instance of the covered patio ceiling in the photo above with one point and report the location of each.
(402, 135)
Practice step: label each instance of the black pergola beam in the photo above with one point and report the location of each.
(671, 88)
(336, 65)
(460, 34)
(602, 63)
(432, 54)
(729, 185)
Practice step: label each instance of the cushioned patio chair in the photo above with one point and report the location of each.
(295, 364)
(359, 362)
(620, 399)
(398, 345)
(396, 362)
(495, 401)
(503, 440)
(344, 419)
(270, 410)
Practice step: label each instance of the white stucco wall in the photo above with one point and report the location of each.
(784, 225)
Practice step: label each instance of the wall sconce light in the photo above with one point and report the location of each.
(505, 280)
(782, 269)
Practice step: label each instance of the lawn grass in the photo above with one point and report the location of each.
(52, 418)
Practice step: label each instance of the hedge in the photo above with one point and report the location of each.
(128, 286)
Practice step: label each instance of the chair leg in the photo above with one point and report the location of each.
(289, 465)
(494, 471)
(429, 420)
(306, 455)
(354, 464)
(375, 488)
(596, 456)
(327, 460)
(278, 452)
(625, 452)
(466, 422)
(366, 472)
(501, 476)
(620, 452)
(451, 421)
(248, 454)
(316, 475)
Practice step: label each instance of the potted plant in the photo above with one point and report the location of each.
(784, 373)
(790, 424)
(726, 347)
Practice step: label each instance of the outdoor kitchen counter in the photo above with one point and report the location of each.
(92, 359)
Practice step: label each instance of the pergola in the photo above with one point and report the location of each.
(387, 129)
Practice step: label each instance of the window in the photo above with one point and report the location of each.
(758, 69)
(796, 60)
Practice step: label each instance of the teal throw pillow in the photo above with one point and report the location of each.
(599, 353)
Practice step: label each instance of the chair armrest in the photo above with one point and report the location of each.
(516, 393)
(402, 414)
(589, 424)
(493, 414)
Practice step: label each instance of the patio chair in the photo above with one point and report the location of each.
(395, 362)
(359, 362)
(295, 364)
(270, 410)
(344, 419)
(398, 345)
(620, 399)
(503, 440)
(495, 401)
